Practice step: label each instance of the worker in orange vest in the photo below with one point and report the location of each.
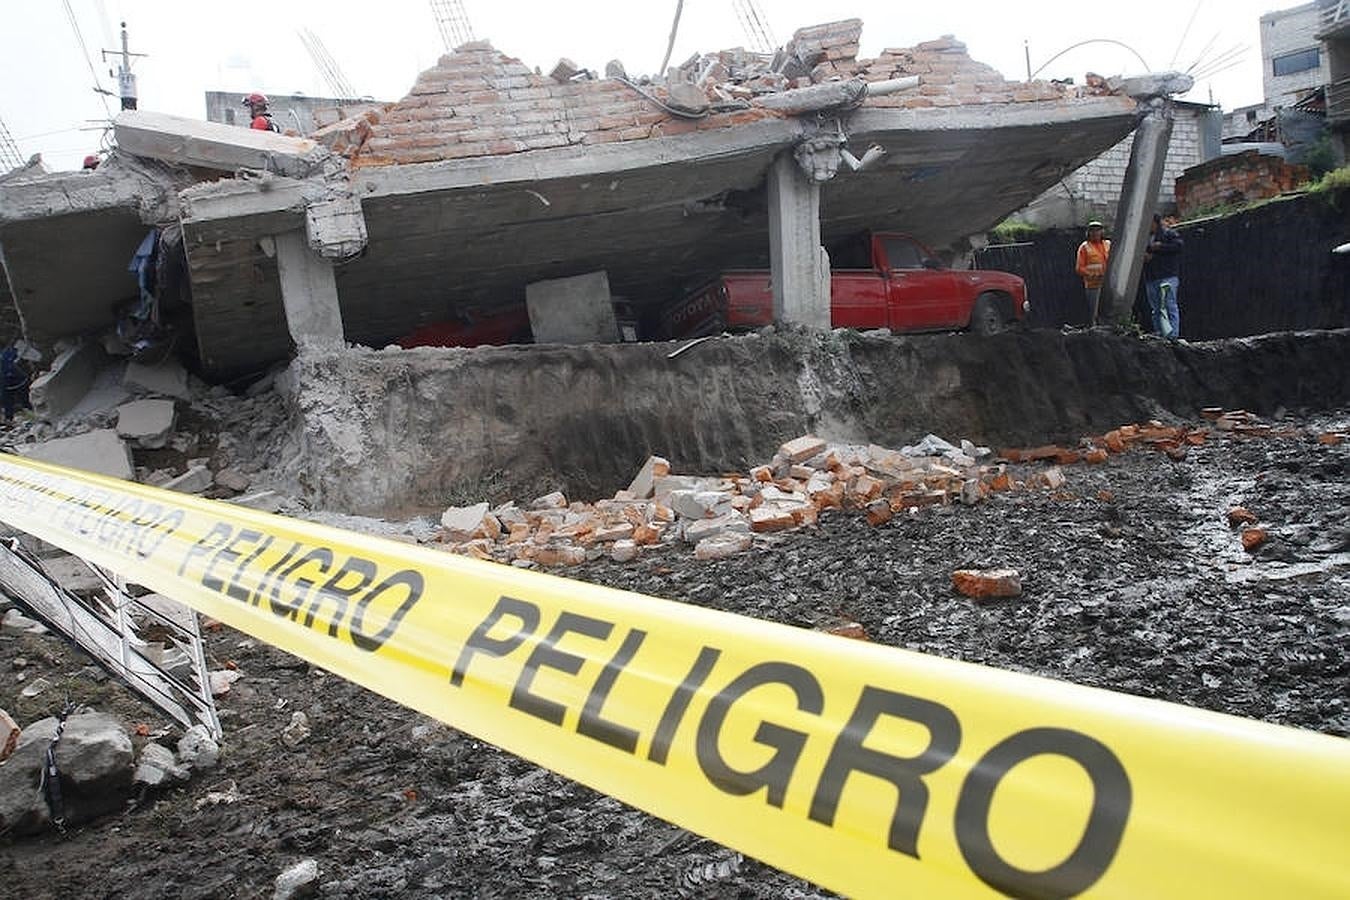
(259, 118)
(1093, 255)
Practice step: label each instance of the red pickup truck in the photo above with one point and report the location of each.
(886, 281)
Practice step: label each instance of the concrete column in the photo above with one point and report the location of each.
(799, 265)
(1138, 200)
(308, 292)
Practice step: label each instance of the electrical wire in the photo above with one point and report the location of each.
(1142, 62)
(89, 61)
(1185, 34)
(678, 113)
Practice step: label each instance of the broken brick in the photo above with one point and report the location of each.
(879, 512)
(9, 735)
(762, 473)
(608, 533)
(803, 448)
(982, 584)
(771, 518)
(1096, 456)
(1240, 515)
(1253, 538)
(1054, 479)
(844, 628)
(566, 555)
(1330, 438)
(646, 535)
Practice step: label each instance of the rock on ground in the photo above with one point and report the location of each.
(94, 758)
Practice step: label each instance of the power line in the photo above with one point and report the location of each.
(327, 66)
(89, 61)
(755, 25)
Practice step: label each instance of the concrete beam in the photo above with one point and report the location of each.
(800, 269)
(1138, 199)
(227, 148)
(308, 293)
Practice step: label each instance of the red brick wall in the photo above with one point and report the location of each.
(1239, 178)
(479, 102)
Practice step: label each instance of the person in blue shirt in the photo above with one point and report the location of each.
(1162, 276)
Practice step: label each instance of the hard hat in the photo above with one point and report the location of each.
(1095, 224)
(254, 99)
(91, 162)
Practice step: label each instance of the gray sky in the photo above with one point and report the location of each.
(242, 45)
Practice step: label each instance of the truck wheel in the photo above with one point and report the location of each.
(987, 316)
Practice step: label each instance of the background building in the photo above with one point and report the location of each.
(296, 112)
(1093, 191)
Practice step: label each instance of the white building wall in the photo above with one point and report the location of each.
(1289, 31)
(1093, 191)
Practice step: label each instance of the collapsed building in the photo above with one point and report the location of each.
(489, 177)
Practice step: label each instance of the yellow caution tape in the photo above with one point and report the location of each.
(869, 770)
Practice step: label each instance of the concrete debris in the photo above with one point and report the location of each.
(198, 750)
(297, 731)
(168, 379)
(146, 423)
(722, 547)
(225, 794)
(194, 481)
(644, 483)
(266, 501)
(211, 145)
(158, 767)
(17, 621)
(94, 757)
(233, 480)
(464, 523)
(34, 688)
(67, 380)
(9, 735)
(299, 881)
(100, 451)
(988, 584)
(221, 679)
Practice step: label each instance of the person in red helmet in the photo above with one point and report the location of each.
(260, 118)
(90, 163)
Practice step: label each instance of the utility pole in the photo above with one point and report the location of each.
(126, 81)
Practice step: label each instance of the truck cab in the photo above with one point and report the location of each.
(881, 280)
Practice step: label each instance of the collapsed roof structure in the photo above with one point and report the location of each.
(489, 176)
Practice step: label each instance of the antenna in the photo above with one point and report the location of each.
(453, 22)
(328, 68)
(755, 25)
(10, 157)
(126, 82)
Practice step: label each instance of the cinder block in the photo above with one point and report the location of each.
(575, 310)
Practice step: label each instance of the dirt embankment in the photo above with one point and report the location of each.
(378, 431)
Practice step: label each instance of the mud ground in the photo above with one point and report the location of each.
(1134, 582)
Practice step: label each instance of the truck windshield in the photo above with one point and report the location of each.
(902, 253)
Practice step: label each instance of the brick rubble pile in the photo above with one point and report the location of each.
(478, 101)
(719, 517)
